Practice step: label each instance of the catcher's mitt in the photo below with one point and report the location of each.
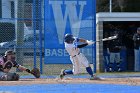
(35, 72)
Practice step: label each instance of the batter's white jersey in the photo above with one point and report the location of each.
(78, 59)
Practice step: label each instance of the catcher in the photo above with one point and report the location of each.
(7, 62)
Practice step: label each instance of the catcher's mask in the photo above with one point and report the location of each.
(9, 52)
(10, 55)
(68, 38)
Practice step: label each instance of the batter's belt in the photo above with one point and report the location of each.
(75, 55)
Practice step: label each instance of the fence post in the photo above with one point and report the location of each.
(19, 25)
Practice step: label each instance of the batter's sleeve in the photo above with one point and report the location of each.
(82, 45)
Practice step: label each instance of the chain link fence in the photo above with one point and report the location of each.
(22, 30)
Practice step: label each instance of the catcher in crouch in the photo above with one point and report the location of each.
(78, 59)
(7, 62)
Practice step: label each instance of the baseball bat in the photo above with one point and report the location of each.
(108, 38)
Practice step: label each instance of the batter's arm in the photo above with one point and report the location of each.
(87, 42)
(82, 40)
(82, 45)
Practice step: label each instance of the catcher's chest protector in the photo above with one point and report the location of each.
(5, 65)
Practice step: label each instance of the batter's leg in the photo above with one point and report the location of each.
(76, 68)
(83, 60)
(89, 70)
(65, 72)
(93, 76)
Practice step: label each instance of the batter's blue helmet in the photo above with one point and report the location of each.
(68, 38)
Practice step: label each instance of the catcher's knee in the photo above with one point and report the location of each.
(4, 77)
(9, 77)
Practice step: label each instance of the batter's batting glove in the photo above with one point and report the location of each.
(90, 42)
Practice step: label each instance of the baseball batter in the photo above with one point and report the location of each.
(77, 58)
(6, 63)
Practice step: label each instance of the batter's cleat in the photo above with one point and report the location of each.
(94, 77)
(62, 74)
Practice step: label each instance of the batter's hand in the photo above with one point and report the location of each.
(90, 42)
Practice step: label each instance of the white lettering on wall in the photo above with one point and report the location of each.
(56, 52)
(69, 13)
(63, 52)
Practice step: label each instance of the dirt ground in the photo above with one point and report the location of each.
(124, 81)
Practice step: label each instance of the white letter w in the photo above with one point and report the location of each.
(70, 12)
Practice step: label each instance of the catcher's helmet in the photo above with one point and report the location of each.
(9, 52)
(68, 38)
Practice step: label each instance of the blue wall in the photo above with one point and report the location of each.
(68, 16)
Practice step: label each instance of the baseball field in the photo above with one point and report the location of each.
(110, 83)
